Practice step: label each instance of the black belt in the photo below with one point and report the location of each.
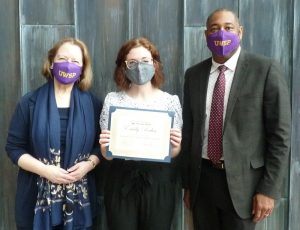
(219, 165)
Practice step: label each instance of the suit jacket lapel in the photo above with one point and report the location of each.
(239, 75)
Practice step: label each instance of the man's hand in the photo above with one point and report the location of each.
(262, 207)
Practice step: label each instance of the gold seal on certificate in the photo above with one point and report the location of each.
(140, 134)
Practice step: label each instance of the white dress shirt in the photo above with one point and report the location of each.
(213, 76)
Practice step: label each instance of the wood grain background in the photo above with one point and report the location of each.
(28, 28)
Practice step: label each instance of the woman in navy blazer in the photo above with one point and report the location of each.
(53, 139)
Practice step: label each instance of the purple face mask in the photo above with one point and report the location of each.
(66, 72)
(222, 43)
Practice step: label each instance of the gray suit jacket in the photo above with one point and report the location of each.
(256, 133)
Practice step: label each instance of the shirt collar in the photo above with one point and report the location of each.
(230, 63)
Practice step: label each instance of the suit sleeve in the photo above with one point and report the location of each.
(277, 121)
(186, 133)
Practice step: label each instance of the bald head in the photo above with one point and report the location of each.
(208, 21)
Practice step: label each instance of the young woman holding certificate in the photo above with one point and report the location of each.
(140, 193)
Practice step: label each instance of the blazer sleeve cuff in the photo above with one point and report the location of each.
(269, 191)
(15, 155)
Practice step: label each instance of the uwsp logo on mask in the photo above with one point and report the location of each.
(66, 75)
(65, 72)
(222, 43)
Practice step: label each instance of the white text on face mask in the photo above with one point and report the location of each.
(66, 75)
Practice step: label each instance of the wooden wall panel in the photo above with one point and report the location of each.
(162, 23)
(195, 48)
(176, 27)
(9, 95)
(294, 195)
(45, 12)
(268, 29)
(104, 28)
(35, 43)
(278, 220)
(197, 11)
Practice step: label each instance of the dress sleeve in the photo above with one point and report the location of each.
(178, 112)
(105, 113)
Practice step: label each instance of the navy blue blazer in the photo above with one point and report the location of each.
(20, 126)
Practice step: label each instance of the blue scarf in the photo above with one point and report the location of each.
(62, 204)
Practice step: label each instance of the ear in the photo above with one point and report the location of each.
(241, 31)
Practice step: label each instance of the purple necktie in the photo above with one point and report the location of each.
(214, 145)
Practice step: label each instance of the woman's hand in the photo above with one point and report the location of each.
(104, 142)
(54, 174)
(79, 170)
(175, 139)
(57, 175)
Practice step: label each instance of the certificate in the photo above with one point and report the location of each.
(140, 134)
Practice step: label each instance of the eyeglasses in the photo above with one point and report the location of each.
(132, 63)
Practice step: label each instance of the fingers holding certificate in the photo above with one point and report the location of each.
(104, 139)
(175, 139)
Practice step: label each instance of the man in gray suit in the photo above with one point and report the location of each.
(236, 131)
